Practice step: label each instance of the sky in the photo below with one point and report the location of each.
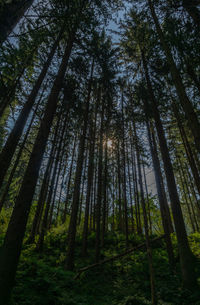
(114, 27)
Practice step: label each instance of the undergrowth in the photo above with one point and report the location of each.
(42, 278)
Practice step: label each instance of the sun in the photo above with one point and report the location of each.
(109, 143)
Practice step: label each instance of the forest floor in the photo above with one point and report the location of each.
(42, 279)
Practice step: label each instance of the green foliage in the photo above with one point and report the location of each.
(194, 240)
(42, 278)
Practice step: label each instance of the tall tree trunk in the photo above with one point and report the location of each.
(69, 181)
(60, 154)
(186, 104)
(124, 174)
(44, 187)
(130, 190)
(164, 209)
(148, 245)
(147, 199)
(10, 15)
(188, 149)
(119, 187)
(185, 199)
(136, 193)
(13, 139)
(83, 185)
(90, 179)
(105, 181)
(76, 196)
(186, 257)
(19, 154)
(11, 249)
(99, 189)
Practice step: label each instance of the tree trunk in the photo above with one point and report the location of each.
(5, 193)
(89, 180)
(148, 245)
(105, 181)
(136, 193)
(186, 257)
(69, 181)
(99, 188)
(187, 147)
(119, 188)
(186, 104)
(76, 197)
(13, 138)
(11, 249)
(10, 15)
(124, 174)
(147, 199)
(44, 187)
(164, 209)
(130, 191)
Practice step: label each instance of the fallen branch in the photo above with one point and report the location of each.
(115, 257)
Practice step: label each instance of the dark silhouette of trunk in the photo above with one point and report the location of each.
(10, 15)
(54, 180)
(189, 191)
(119, 187)
(95, 195)
(69, 181)
(105, 181)
(146, 228)
(188, 149)
(137, 204)
(83, 185)
(186, 257)
(44, 224)
(61, 189)
(185, 197)
(113, 195)
(99, 187)
(13, 138)
(147, 199)
(59, 157)
(44, 187)
(8, 95)
(90, 179)
(130, 190)
(11, 249)
(40, 205)
(22, 145)
(124, 174)
(186, 193)
(193, 191)
(164, 209)
(50, 218)
(186, 104)
(76, 196)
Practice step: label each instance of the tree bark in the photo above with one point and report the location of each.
(13, 139)
(146, 228)
(11, 249)
(76, 196)
(99, 188)
(186, 104)
(89, 180)
(10, 15)
(164, 209)
(186, 257)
